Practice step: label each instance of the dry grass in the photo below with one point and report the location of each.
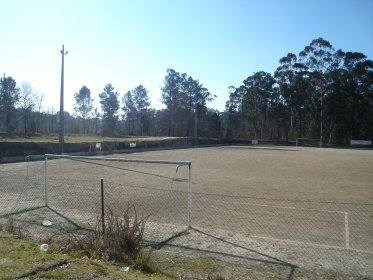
(120, 241)
(123, 235)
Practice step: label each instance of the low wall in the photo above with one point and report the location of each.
(17, 151)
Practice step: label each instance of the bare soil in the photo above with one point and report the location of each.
(284, 212)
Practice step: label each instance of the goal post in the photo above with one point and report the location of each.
(23, 188)
(68, 189)
(139, 161)
(307, 142)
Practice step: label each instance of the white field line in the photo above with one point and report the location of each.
(311, 244)
(347, 231)
(293, 208)
(347, 228)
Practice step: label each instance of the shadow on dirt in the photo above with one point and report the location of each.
(237, 252)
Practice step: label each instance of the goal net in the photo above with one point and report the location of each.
(66, 192)
(307, 142)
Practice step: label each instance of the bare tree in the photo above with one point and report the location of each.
(26, 103)
(39, 98)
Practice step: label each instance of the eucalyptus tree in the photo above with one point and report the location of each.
(231, 116)
(83, 105)
(319, 56)
(249, 106)
(350, 104)
(196, 96)
(255, 102)
(284, 75)
(110, 106)
(292, 79)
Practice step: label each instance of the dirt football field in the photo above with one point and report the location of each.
(283, 201)
(289, 173)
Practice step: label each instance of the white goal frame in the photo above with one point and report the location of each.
(298, 140)
(178, 163)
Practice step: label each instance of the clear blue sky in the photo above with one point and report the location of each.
(127, 43)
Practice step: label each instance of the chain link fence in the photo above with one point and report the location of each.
(66, 191)
(336, 236)
(314, 235)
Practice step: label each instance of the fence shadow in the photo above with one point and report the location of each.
(262, 258)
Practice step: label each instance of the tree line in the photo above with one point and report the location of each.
(320, 93)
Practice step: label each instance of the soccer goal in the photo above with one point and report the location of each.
(68, 192)
(307, 142)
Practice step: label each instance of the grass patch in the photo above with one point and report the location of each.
(19, 257)
(189, 263)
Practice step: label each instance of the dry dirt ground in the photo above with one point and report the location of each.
(281, 206)
(260, 212)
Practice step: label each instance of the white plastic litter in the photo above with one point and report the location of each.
(44, 247)
(47, 223)
(125, 269)
(65, 265)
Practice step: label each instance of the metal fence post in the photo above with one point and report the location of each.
(190, 195)
(46, 180)
(102, 207)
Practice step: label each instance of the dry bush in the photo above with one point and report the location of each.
(12, 228)
(123, 235)
(121, 240)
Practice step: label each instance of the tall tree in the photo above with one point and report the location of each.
(350, 102)
(9, 95)
(318, 56)
(110, 106)
(185, 98)
(172, 97)
(142, 106)
(257, 95)
(83, 105)
(39, 98)
(195, 98)
(292, 79)
(26, 103)
(129, 111)
(233, 120)
(96, 119)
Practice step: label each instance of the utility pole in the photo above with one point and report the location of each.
(62, 118)
(195, 134)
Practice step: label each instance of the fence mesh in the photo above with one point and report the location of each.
(22, 186)
(336, 236)
(332, 236)
(67, 192)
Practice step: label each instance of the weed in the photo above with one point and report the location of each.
(123, 235)
(142, 263)
(121, 240)
(12, 228)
